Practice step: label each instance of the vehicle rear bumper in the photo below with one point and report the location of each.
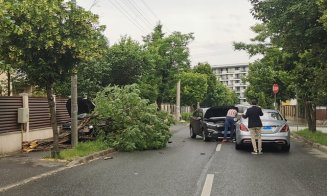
(282, 139)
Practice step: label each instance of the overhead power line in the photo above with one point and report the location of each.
(153, 13)
(127, 15)
(139, 11)
(136, 15)
(146, 5)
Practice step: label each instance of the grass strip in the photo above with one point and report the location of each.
(316, 137)
(83, 149)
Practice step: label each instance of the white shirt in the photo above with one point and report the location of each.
(232, 113)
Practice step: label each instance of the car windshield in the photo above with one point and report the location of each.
(271, 116)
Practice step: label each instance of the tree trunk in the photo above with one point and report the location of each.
(311, 115)
(8, 82)
(53, 117)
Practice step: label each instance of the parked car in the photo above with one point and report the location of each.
(209, 122)
(85, 107)
(275, 130)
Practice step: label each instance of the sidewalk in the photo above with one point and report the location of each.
(21, 166)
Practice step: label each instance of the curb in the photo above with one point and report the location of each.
(90, 157)
(320, 147)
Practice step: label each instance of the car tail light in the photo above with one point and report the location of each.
(243, 127)
(285, 128)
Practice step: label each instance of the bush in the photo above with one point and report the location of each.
(135, 124)
(317, 137)
(186, 116)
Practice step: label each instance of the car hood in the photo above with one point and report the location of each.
(218, 111)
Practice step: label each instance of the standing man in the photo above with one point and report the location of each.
(229, 123)
(255, 124)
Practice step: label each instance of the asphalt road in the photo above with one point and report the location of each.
(190, 167)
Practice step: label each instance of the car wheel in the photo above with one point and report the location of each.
(286, 148)
(238, 146)
(192, 134)
(204, 136)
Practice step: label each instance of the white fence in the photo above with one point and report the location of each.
(171, 108)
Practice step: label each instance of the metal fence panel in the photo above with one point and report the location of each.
(8, 113)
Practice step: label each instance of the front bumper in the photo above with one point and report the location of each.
(217, 133)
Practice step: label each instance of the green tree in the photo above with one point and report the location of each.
(134, 123)
(128, 62)
(93, 76)
(6, 69)
(273, 68)
(46, 41)
(170, 55)
(297, 27)
(193, 88)
(217, 94)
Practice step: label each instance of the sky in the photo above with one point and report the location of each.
(216, 24)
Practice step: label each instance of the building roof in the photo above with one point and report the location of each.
(231, 65)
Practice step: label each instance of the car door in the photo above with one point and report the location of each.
(196, 121)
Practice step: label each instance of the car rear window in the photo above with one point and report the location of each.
(271, 116)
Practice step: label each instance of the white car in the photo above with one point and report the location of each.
(275, 130)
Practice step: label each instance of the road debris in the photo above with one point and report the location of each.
(46, 144)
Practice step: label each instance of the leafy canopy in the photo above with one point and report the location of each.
(134, 123)
(217, 93)
(170, 55)
(46, 40)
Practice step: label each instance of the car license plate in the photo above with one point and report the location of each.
(267, 128)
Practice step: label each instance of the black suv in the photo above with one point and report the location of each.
(209, 122)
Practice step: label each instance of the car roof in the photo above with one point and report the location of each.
(266, 110)
(269, 110)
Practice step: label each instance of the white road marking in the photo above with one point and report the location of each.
(206, 191)
(218, 147)
(3, 189)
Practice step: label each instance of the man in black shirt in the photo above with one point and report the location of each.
(255, 124)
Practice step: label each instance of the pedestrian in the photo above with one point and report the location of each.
(229, 124)
(254, 124)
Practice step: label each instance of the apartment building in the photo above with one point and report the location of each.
(231, 75)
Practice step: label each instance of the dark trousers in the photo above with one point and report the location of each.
(229, 125)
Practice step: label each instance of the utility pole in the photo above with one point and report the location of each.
(297, 112)
(74, 107)
(178, 100)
